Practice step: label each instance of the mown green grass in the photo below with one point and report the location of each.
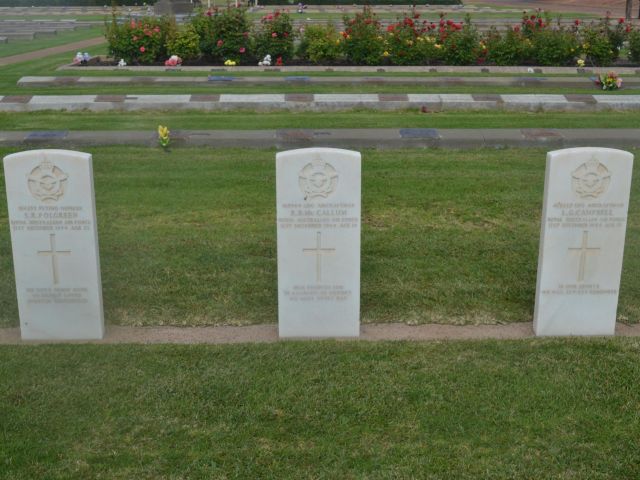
(188, 237)
(531, 409)
(60, 16)
(431, 15)
(16, 47)
(10, 74)
(358, 118)
(356, 88)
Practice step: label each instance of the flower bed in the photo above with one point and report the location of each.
(227, 36)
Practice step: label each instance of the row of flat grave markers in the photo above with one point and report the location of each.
(54, 236)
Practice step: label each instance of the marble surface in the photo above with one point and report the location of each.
(318, 223)
(584, 220)
(54, 240)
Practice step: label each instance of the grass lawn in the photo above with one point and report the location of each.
(16, 47)
(188, 237)
(59, 16)
(247, 120)
(10, 74)
(357, 88)
(532, 409)
(429, 15)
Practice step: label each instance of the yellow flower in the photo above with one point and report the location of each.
(163, 136)
(409, 42)
(437, 45)
(581, 62)
(385, 54)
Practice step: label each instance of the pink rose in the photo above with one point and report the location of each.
(220, 42)
(142, 49)
(242, 49)
(274, 34)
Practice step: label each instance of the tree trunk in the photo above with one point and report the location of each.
(628, 10)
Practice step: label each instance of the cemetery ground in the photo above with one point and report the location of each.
(465, 410)
(16, 47)
(448, 236)
(187, 238)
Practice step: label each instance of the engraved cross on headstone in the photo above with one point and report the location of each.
(53, 253)
(318, 252)
(584, 250)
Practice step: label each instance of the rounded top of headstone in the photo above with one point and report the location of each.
(318, 152)
(48, 154)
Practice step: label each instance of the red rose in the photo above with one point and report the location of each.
(242, 50)
(219, 43)
(142, 49)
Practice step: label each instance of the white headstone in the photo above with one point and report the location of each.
(584, 219)
(54, 237)
(318, 208)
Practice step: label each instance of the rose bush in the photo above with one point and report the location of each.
(141, 41)
(226, 35)
(412, 41)
(274, 36)
(320, 44)
(363, 40)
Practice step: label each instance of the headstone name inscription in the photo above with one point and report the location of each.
(584, 220)
(55, 244)
(318, 210)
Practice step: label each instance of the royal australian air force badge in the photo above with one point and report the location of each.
(47, 182)
(318, 179)
(591, 179)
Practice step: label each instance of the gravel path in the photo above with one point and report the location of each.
(269, 333)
